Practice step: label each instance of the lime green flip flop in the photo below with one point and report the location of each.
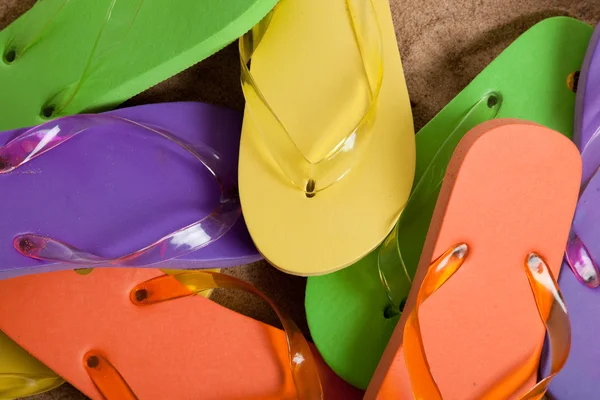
(352, 313)
(68, 56)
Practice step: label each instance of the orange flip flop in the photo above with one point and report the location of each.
(120, 334)
(495, 243)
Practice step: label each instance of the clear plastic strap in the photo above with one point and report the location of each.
(118, 20)
(591, 152)
(35, 23)
(398, 257)
(577, 255)
(553, 313)
(167, 288)
(551, 308)
(114, 28)
(312, 176)
(40, 139)
(14, 386)
(581, 262)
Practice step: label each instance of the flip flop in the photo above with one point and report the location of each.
(148, 185)
(86, 48)
(22, 375)
(327, 136)
(117, 193)
(579, 377)
(137, 333)
(587, 97)
(480, 335)
(350, 312)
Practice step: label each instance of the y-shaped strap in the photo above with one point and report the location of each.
(166, 288)
(314, 176)
(116, 24)
(43, 138)
(551, 308)
(398, 258)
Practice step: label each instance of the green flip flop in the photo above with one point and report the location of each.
(352, 313)
(69, 56)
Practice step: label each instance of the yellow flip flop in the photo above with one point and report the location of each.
(327, 152)
(22, 375)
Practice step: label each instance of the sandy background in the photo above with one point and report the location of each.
(444, 44)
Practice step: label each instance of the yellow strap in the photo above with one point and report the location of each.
(311, 176)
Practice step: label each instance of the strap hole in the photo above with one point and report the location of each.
(141, 295)
(92, 361)
(310, 188)
(25, 245)
(48, 112)
(492, 101)
(391, 311)
(10, 56)
(573, 81)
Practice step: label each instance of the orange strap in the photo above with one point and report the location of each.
(169, 287)
(105, 376)
(551, 308)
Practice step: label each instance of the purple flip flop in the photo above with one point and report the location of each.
(580, 277)
(587, 105)
(153, 185)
